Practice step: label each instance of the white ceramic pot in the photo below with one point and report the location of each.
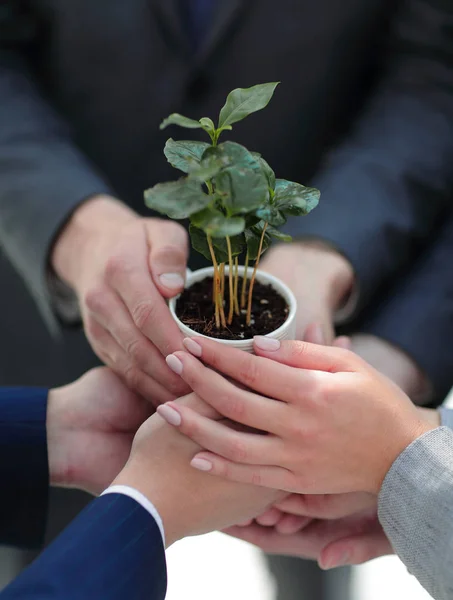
(286, 332)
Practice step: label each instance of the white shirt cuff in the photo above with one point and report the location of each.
(141, 499)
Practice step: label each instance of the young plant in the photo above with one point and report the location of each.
(231, 196)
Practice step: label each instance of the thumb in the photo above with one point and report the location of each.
(169, 249)
(355, 550)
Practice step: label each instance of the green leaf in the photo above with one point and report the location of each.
(177, 119)
(177, 199)
(272, 215)
(278, 235)
(267, 170)
(295, 199)
(252, 239)
(207, 124)
(200, 244)
(215, 224)
(241, 185)
(244, 101)
(184, 155)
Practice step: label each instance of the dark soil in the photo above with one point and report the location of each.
(195, 309)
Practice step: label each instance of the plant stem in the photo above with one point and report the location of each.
(219, 313)
(252, 280)
(230, 279)
(222, 280)
(236, 285)
(244, 281)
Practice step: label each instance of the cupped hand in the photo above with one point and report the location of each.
(333, 423)
(123, 268)
(319, 277)
(91, 424)
(338, 530)
(190, 502)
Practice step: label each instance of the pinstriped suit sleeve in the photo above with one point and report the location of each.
(24, 471)
(112, 551)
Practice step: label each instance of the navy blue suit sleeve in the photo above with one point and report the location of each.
(113, 550)
(388, 184)
(24, 470)
(417, 315)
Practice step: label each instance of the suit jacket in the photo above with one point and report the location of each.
(114, 548)
(365, 112)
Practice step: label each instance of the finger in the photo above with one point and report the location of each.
(267, 377)
(314, 334)
(326, 506)
(291, 524)
(216, 437)
(355, 550)
(245, 523)
(169, 251)
(114, 356)
(113, 315)
(233, 402)
(129, 275)
(272, 477)
(303, 355)
(343, 342)
(270, 518)
(304, 545)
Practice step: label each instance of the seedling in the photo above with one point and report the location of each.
(232, 198)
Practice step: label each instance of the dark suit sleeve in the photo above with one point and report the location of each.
(44, 176)
(113, 550)
(387, 185)
(24, 471)
(417, 315)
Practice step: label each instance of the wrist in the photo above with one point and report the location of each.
(162, 493)
(57, 453)
(78, 238)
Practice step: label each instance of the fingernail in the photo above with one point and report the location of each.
(172, 281)
(193, 347)
(333, 563)
(175, 364)
(265, 343)
(169, 414)
(201, 464)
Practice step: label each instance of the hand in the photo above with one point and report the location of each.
(90, 427)
(334, 423)
(394, 363)
(334, 536)
(188, 501)
(122, 268)
(319, 277)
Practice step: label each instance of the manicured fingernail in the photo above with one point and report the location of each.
(193, 347)
(169, 414)
(265, 343)
(172, 281)
(175, 364)
(201, 464)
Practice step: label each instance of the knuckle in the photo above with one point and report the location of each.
(115, 265)
(96, 299)
(237, 450)
(249, 373)
(256, 478)
(143, 313)
(136, 350)
(231, 406)
(132, 377)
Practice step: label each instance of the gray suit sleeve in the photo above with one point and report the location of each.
(44, 176)
(416, 510)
